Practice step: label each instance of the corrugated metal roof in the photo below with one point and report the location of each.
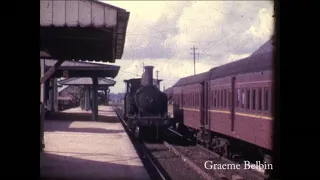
(82, 65)
(198, 78)
(86, 13)
(87, 81)
(254, 63)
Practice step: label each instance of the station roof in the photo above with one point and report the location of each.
(87, 81)
(83, 69)
(82, 30)
(198, 78)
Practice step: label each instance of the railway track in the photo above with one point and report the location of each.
(159, 161)
(199, 155)
(195, 157)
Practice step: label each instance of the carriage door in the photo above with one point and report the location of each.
(203, 105)
(206, 104)
(233, 102)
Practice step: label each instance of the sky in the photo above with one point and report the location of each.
(162, 33)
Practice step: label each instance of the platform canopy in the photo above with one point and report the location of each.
(83, 69)
(82, 30)
(87, 81)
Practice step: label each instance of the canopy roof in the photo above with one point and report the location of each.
(83, 69)
(82, 30)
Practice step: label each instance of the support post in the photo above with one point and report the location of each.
(50, 101)
(94, 98)
(42, 94)
(106, 97)
(55, 95)
(86, 98)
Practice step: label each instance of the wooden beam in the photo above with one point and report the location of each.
(51, 71)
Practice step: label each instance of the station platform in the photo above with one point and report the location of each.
(76, 148)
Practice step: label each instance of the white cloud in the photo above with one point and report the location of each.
(161, 33)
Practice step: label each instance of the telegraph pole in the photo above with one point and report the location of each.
(194, 58)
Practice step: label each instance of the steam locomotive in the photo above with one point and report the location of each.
(145, 106)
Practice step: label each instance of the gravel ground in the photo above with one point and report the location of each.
(175, 167)
(199, 156)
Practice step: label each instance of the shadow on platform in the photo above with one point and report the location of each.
(60, 167)
(65, 126)
(81, 116)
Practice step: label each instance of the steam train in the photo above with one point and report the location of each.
(229, 108)
(145, 106)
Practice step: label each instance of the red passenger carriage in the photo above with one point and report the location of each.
(228, 108)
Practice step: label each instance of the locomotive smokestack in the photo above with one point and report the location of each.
(148, 75)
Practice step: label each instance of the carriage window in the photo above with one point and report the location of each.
(254, 99)
(229, 98)
(218, 98)
(238, 98)
(187, 99)
(209, 98)
(193, 99)
(248, 98)
(266, 99)
(225, 98)
(214, 98)
(221, 98)
(259, 99)
(197, 99)
(243, 98)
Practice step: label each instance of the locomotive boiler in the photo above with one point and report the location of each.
(145, 108)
